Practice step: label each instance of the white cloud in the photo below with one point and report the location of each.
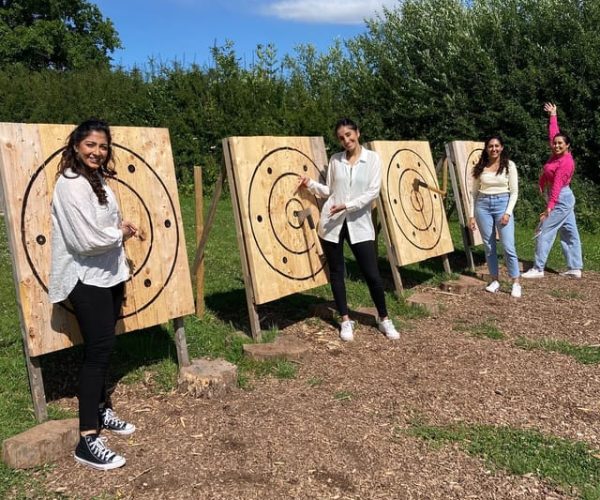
(327, 11)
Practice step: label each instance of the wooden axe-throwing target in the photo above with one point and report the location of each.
(412, 207)
(279, 250)
(160, 286)
(463, 156)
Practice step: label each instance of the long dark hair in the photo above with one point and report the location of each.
(70, 159)
(345, 122)
(484, 160)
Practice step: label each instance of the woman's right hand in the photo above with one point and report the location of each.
(128, 230)
(303, 182)
(550, 108)
(472, 224)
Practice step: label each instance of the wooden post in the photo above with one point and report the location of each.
(36, 385)
(183, 358)
(199, 273)
(459, 208)
(210, 219)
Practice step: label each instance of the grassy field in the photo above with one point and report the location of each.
(144, 354)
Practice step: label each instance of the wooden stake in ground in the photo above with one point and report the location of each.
(199, 272)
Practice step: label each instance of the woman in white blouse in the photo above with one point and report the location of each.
(90, 269)
(353, 183)
(495, 190)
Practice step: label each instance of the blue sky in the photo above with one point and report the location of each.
(184, 30)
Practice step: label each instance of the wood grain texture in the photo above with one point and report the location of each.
(160, 288)
(463, 157)
(415, 216)
(281, 258)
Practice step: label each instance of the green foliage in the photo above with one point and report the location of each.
(55, 34)
(570, 464)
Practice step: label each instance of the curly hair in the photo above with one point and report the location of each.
(484, 160)
(70, 159)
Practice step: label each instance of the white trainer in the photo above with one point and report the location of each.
(493, 287)
(386, 326)
(347, 331)
(533, 273)
(572, 273)
(516, 291)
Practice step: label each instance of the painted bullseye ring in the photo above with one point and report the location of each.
(31, 243)
(273, 219)
(472, 160)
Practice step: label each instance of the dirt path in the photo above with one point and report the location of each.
(336, 430)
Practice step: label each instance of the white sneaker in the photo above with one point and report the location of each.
(572, 273)
(386, 326)
(516, 291)
(347, 331)
(533, 273)
(493, 287)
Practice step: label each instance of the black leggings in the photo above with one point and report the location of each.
(366, 258)
(96, 310)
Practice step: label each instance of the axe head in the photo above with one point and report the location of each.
(305, 215)
(417, 183)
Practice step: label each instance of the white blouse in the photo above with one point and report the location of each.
(356, 186)
(87, 243)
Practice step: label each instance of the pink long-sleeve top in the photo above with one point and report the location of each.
(558, 170)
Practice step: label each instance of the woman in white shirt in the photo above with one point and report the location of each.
(353, 183)
(495, 190)
(90, 269)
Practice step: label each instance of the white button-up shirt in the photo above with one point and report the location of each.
(356, 186)
(87, 243)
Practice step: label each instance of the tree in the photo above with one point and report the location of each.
(55, 34)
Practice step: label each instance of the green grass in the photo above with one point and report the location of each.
(587, 355)
(570, 464)
(150, 355)
(566, 294)
(343, 396)
(487, 329)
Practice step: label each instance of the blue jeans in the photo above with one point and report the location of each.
(489, 209)
(561, 218)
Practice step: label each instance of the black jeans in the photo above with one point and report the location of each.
(96, 310)
(366, 258)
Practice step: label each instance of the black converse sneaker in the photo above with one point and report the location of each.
(92, 452)
(109, 421)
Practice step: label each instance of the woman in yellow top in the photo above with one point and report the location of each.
(495, 190)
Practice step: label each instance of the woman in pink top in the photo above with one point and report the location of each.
(559, 215)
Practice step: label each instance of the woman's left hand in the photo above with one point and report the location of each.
(544, 215)
(336, 209)
(504, 219)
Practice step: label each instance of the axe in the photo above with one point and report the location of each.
(417, 183)
(306, 216)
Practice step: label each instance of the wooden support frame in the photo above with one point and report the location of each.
(460, 208)
(253, 316)
(199, 212)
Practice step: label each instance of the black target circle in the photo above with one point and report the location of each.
(274, 218)
(38, 256)
(417, 212)
(472, 160)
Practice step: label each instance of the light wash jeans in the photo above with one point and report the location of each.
(489, 209)
(561, 218)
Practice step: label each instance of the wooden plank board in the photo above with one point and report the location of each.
(263, 174)
(160, 288)
(415, 216)
(463, 155)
